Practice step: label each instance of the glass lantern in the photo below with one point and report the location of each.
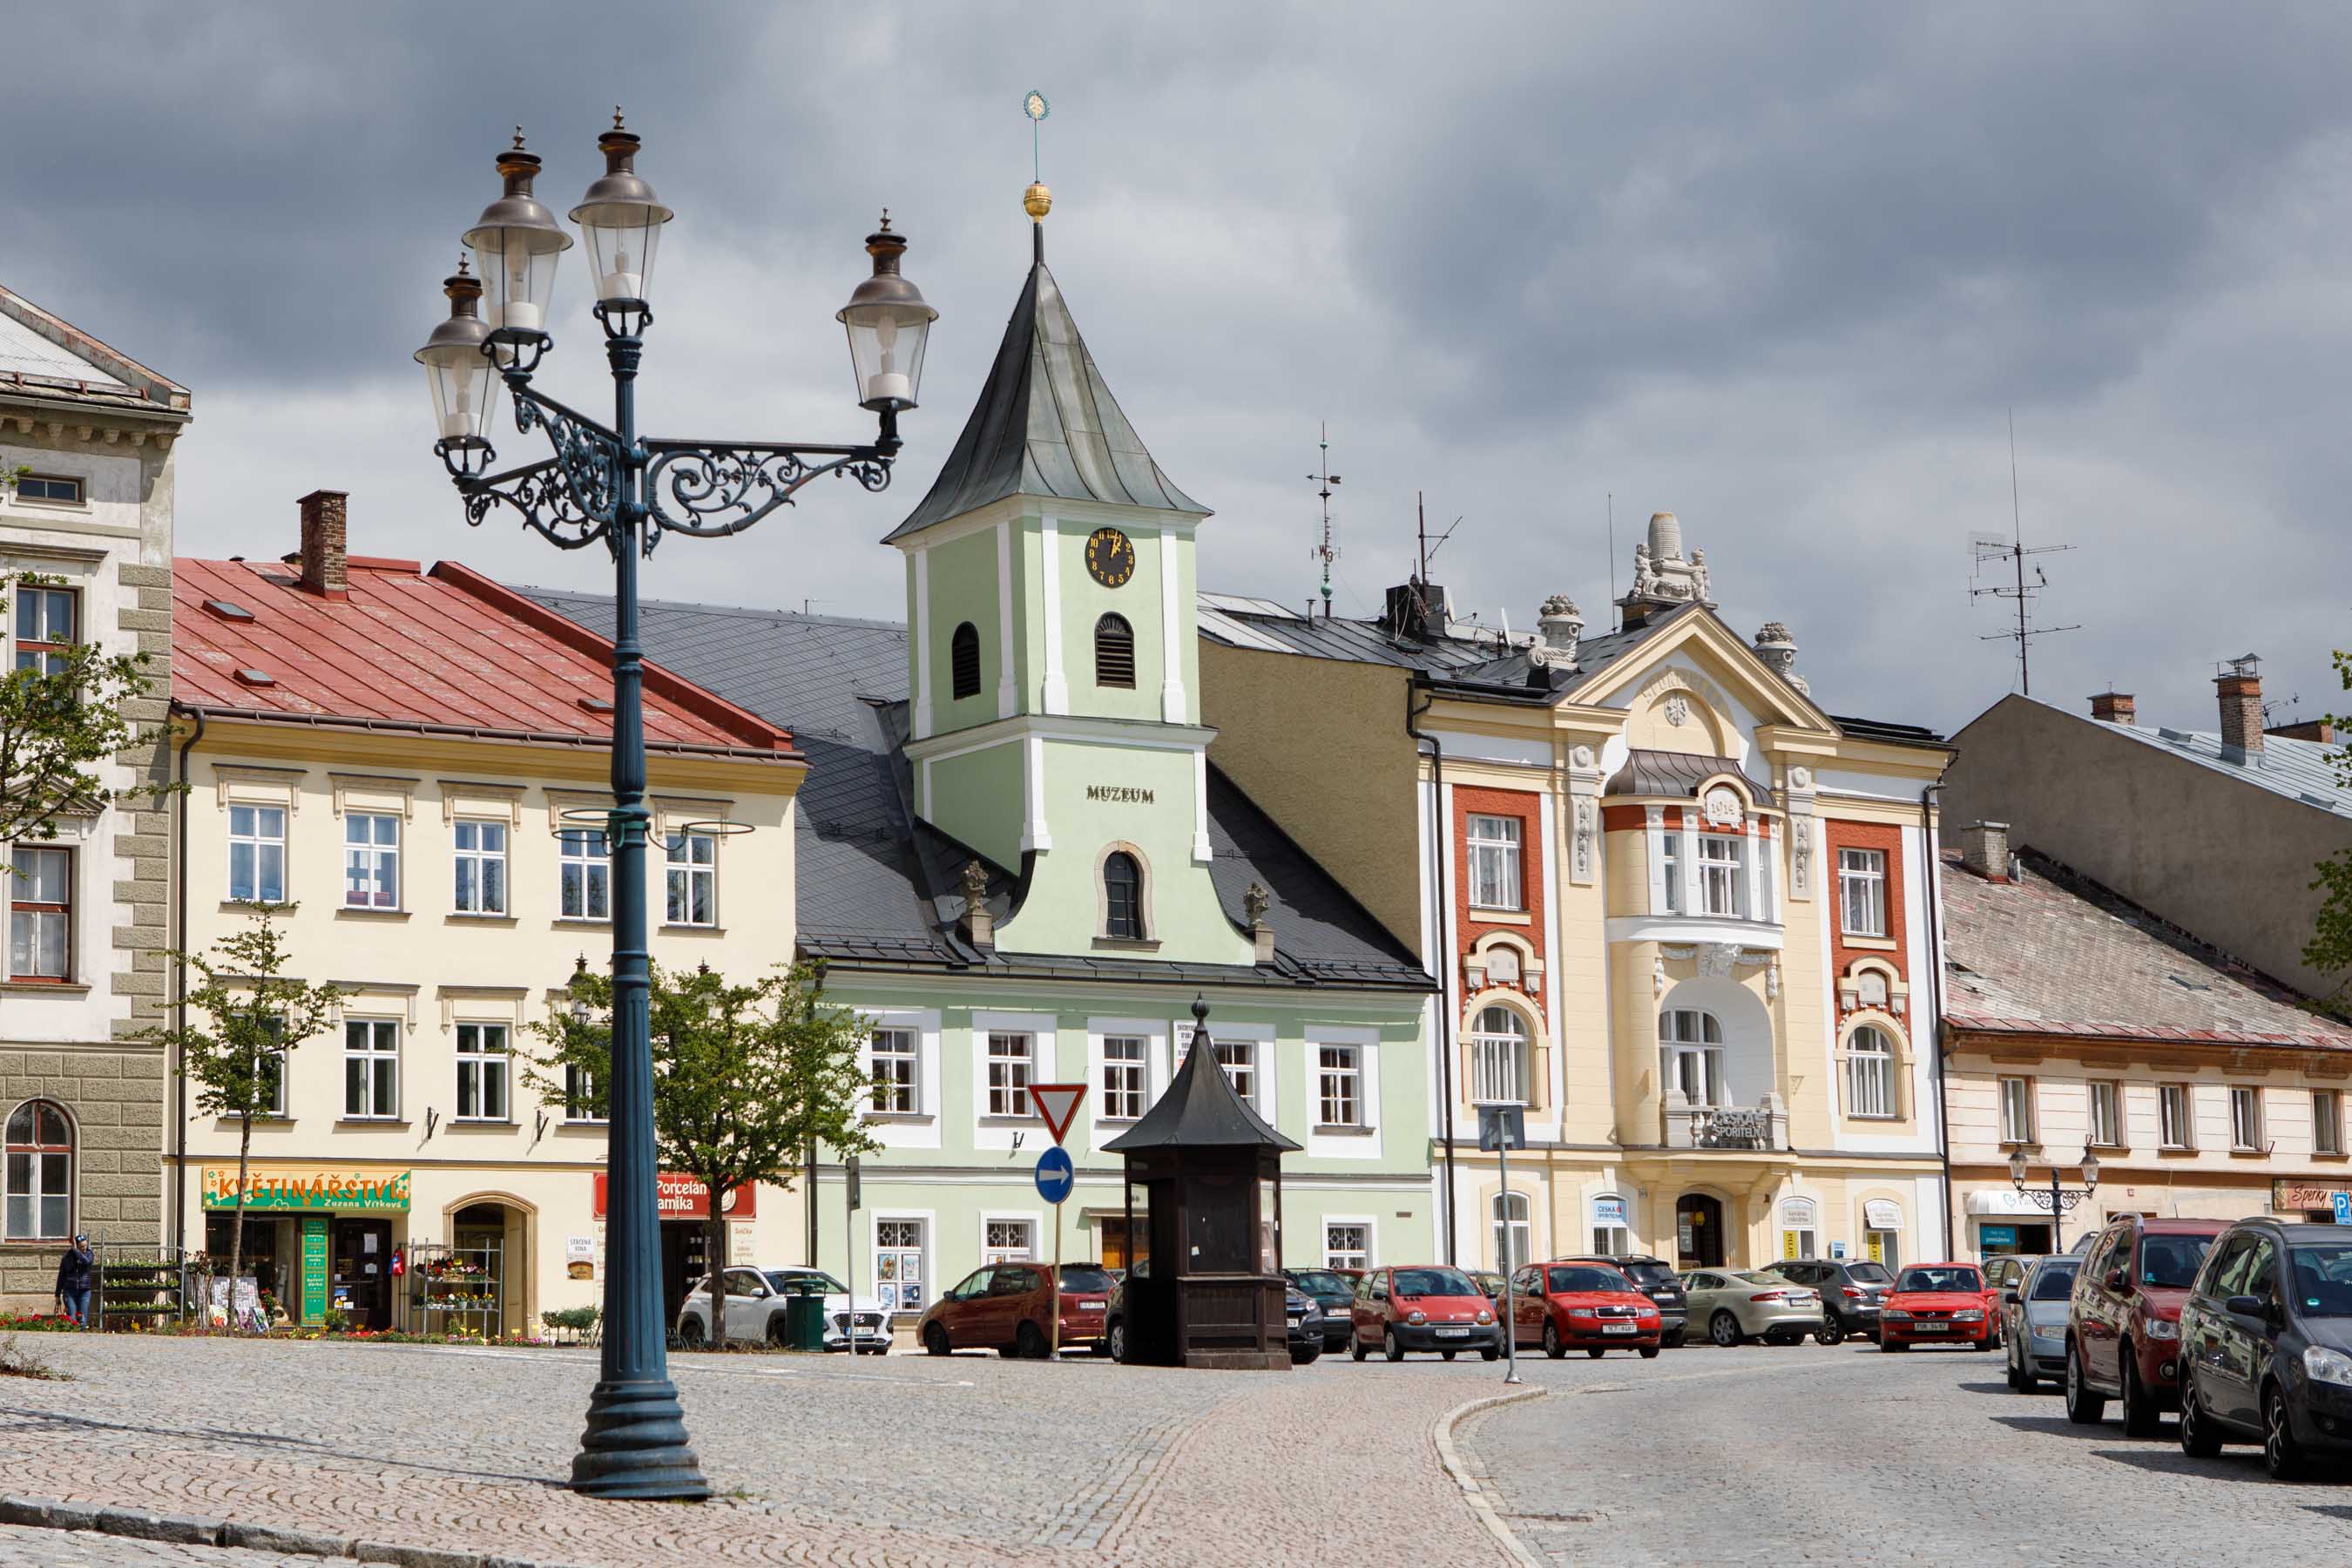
(516, 243)
(459, 373)
(621, 220)
(888, 324)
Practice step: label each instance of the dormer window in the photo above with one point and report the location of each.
(963, 661)
(1114, 652)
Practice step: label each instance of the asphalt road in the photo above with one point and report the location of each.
(1810, 1455)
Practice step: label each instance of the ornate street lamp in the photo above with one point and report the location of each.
(2058, 1201)
(606, 485)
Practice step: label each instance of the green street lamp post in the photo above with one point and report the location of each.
(607, 485)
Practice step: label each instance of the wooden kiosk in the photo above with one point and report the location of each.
(1207, 1287)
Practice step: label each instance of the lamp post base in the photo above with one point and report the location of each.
(635, 1446)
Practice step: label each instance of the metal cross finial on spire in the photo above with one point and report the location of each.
(1325, 551)
(518, 146)
(1036, 201)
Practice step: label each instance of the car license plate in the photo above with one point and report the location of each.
(1453, 1333)
(1087, 1306)
(1930, 1328)
(1617, 1328)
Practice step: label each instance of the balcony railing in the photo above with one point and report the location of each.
(1756, 1127)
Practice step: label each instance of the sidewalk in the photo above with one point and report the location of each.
(904, 1459)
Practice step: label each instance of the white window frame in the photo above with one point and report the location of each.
(257, 844)
(2103, 1110)
(276, 1110)
(480, 857)
(1861, 874)
(37, 1155)
(891, 1243)
(906, 1051)
(2017, 1109)
(1610, 1239)
(1706, 1052)
(2246, 1119)
(1007, 1100)
(2176, 1115)
(1340, 1081)
(573, 854)
(488, 1064)
(42, 912)
(1502, 1063)
(1722, 880)
(1007, 1224)
(2327, 1121)
(378, 1030)
(1510, 1216)
(48, 654)
(1361, 1229)
(1878, 1100)
(1253, 1077)
(1131, 1097)
(579, 1084)
(1493, 846)
(377, 855)
(1670, 870)
(699, 868)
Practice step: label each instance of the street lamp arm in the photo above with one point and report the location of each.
(709, 490)
(594, 457)
(543, 494)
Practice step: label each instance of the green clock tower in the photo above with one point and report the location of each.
(1054, 667)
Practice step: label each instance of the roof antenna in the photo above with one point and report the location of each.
(1036, 201)
(1990, 547)
(1326, 551)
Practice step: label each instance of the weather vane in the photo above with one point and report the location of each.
(1035, 107)
(1036, 201)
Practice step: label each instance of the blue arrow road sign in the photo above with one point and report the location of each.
(1054, 1175)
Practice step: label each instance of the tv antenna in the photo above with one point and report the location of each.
(1325, 551)
(1987, 548)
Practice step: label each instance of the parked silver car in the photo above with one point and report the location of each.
(1735, 1306)
(2033, 1319)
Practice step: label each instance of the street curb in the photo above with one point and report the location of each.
(138, 1525)
(1472, 1493)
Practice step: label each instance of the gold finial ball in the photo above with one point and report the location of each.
(1037, 201)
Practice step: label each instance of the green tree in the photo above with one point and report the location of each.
(64, 715)
(745, 1076)
(2329, 951)
(253, 1014)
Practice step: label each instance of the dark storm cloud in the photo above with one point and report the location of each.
(1783, 270)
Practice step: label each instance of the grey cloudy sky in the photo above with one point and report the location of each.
(1782, 270)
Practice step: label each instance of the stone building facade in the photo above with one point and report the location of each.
(81, 1103)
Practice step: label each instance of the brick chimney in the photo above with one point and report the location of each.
(2239, 685)
(323, 570)
(2115, 708)
(2318, 730)
(1984, 849)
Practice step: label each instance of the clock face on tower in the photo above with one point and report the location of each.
(1110, 557)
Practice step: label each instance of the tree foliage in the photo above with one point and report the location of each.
(61, 719)
(2329, 951)
(245, 1016)
(746, 1076)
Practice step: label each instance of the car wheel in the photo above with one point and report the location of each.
(1117, 1341)
(1491, 1352)
(1989, 1342)
(2199, 1438)
(1649, 1352)
(1724, 1330)
(2281, 1455)
(689, 1332)
(1389, 1346)
(1832, 1332)
(1305, 1358)
(1446, 1355)
(1674, 1341)
(1355, 1345)
(1030, 1344)
(2139, 1406)
(1886, 1344)
(1552, 1345)
(777, 1338)
(2084, 1407)
(1594, 1352)
(935, 1338)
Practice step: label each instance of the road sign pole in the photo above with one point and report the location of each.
(1056, 1354)
(1510, 1323)
(849, 1239)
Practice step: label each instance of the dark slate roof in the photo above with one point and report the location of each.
(1046, 424)
(1888, 731)
(879, 886)
(1200, 1110)
(2057, 954)
(1672, 773)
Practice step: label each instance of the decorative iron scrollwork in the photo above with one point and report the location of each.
(712, 491)
(543, 494)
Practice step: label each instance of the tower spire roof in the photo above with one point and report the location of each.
(1046, 426)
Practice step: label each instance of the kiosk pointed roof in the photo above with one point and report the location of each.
(1199, 1109)
(1045, 425)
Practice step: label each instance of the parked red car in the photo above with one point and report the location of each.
(2123, 1324)
(1426, 1307)
(1938, 1304)
(1589, 1307)
(1008, 1307)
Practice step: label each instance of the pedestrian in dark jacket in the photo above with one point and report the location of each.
(73, 1281)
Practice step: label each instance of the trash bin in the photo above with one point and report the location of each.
(805, 1318)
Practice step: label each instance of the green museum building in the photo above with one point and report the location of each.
(1014, 856)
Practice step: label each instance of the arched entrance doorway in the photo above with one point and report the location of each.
(490, 1241)
(1698, 1231)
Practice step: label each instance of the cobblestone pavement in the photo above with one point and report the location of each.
(1813, 1455)
(904, 1459)
(23, 1547)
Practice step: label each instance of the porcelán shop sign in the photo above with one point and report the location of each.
(685, 1197)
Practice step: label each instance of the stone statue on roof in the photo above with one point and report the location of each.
(1663, 577)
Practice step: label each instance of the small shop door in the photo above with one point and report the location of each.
(686, 1248)
(1698, 1231)
(1110, 1231)
(359, 1271)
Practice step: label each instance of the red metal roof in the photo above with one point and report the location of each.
(447, 648)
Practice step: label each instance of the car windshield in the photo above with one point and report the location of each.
(1085, 1277)
(800, 1278)
(1433, 1282)
(1940, 1279)
(2055, 1281)
(1324, 1281)
(2323, 1280)
(2172, 1259)
(1869, 1274)
(1564, 1280)
(1648, 1273)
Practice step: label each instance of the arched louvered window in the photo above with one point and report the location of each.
(963, 660)
(1122, 897)
(1114, 652)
